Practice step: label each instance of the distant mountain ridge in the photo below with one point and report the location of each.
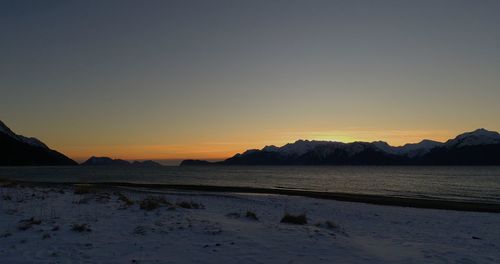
(106, 161)
(479, 147)
(18, 150)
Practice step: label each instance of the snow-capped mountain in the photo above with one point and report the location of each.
(480, 147)
(30, 141)
(5, 130)
(410, 149)
(17, 150)
(300, 147)
(478, 137)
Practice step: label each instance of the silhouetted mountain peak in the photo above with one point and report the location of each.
(27, 140)
(6, 130)
(383, 145)
(429, 142)
(107, 161)
(196, 163)
(426, 143)
(146, 163)
(18, 150)
(301, 146)
(479, 147)
(250, 151)
(477, 137)
(410, 149)
(271, 148)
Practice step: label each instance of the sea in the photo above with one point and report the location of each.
(460, 183)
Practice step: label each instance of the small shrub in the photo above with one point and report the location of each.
(125, 199)
(152, 203)
(81, 228)
(294, 219)
(28, 223)
(139, 230)
(331, 225)
(252, 215)
(190, 205)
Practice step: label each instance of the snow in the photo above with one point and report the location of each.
(410, 149)
(300, 147)
(477, 137)
(30, 141)
(422, 145)
(221, 233)
(271, 148)
(6, 130)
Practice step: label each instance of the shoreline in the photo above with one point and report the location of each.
(345, 197)
(112, 223)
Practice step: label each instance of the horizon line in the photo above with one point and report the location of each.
(220, 158)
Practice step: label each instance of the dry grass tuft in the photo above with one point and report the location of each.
(28, 223)
(151, 203)
(125, 199)
(81, 228)
(252, 215)
(190, 205)
(294, 219)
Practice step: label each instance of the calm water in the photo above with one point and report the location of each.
(452, 183)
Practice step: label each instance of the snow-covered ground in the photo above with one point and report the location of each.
(221, 232)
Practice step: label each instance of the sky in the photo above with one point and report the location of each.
(207, 79)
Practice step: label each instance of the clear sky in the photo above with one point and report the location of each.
(206, 79)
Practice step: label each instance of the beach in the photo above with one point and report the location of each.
(65, 223)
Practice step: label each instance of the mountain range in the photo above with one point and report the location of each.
(479, 147)
(105, 161)
(17, 150)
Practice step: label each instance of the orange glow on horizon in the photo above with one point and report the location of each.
(223, 150)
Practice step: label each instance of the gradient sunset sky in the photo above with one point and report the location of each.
(206, 79)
